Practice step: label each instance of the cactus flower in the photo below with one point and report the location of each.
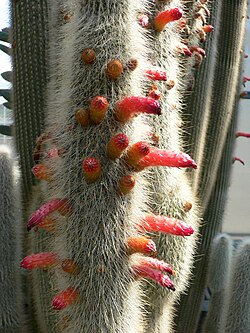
(156, 74)
(65, 298)
(157, 264)
(126, 184)
(132, 105)
(98, 109)
(152, 274)
(245, 79)
(166, 17)
(162, 157)
(143, 20)
(91, 169)
(88, 56)
(207, 28)
(116, 145)
(43, 260)
(60, 205)
(242, 134)
(136, 152)
(160, 223)
(82, 117)
(48, 224)
(239, 160)
(154, 93)
(198, 49)
(141, 244)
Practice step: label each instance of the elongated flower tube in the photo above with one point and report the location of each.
(163, 18)
(155, 263)
(141, 244)
(242, 134)
(238, 159)
(98, 109)
(162, 157)
(136, 152)
(198, 50)
(126, 184)
(152, 274)
(91, 169)
(42, 172)
(132, 105)
(156, 74)
(160, 223)
(43, 260)
(60, 205)
(116, 145)
(65, 298)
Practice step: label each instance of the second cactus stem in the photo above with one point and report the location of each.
(99, 143)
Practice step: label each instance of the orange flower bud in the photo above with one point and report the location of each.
(91, 169)
(141, 244)
(126, 184)
(114, 69)
(116, 145)
(207, 28)
(132, 64)
(88, 56)
(98, 109)
(41, 172)
(82, 117)
(136, 152)
(70, 266)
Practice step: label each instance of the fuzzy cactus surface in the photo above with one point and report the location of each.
(113, 223)
(11, 300)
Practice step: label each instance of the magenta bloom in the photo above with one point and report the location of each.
(152, 274)
(53, 205)
(157, 264)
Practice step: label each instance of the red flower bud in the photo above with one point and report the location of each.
(43, 260)
(41, 172)
(65, 298)
(116, 145)
(242, 134)
(98, 109)
(207, 28)
(156, 74)
(132, 105)
(143, 20)
(165, 17)
(114, 69)
(91, 169)
(70, 266)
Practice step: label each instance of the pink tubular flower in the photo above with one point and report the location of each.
(53, 205)
(132, 105)
(156, 74)
(207, 28)
(245, 79)
(242, 134)
(65, 298)
(163, 18)
(160, 265)
(141, 244)
(43, 260)
(152, 274)
(198, 50)
(160, 223)
(239, 160)
(162, 157)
